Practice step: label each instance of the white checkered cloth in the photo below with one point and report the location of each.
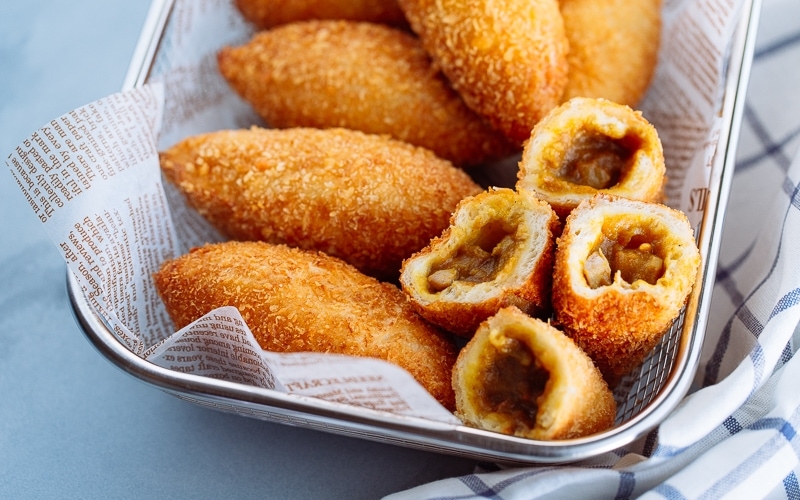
(736, 434)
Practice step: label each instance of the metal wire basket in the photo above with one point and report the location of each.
(644, 397)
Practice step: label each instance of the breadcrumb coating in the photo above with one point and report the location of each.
(266, 14)
(507, 59)
(613, 48)
(361, 76)
(294, 300)
(624, 270)
(369, 200)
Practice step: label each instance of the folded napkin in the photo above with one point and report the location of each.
(737, 434)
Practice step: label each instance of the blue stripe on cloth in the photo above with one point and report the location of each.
(482, 490)
(784, 427)
(480, 487)
(787, 353)
(774, 149)
(759, 364)
(725, 273)
(770, 151)
(619, 452)
(789, 300)
(791, 486)
(725, 276)
(788, 431)
(769, 148)
(792, 190)
(749, 320)
(776, 47)
(650, 442)
(784, 432)
(627, 483)
(668, 492)
(714, 364)
(732, 425)
(665, 451)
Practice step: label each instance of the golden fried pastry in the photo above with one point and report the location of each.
(360, 76)
(295, 300)
(521, 376)
(624, 270)
(613, 48)
(498, 251)
(588, 146)
(266, 14)
(508, 60)
(367, 199)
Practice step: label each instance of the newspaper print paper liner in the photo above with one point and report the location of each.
(176, 50)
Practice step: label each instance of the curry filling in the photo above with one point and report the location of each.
(514, 381)
(478, 260)
(598, 161)
(634, 257)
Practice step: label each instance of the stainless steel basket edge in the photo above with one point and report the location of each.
(147, 45)
(424, 434)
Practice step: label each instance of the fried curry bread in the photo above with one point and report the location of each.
(361, 76)
(367, 199)
(297, 300)
(521, 376)
(498, 251)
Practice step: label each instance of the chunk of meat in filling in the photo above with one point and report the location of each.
(638, 260)
(598, 161)
(477, 261)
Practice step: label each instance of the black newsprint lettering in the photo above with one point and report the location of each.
(88, 237)
(22, 172)
(59, 185)
(94, 231)
(697, 199)
(47, 209)
(48, 132)
(68, 253)
(71, 145)
(28, 184)
(80, 248)
(88, 172)
(58, 129)
(40, 142)
(55, 162)
(39, 159)
(73, 127)
(52, 196)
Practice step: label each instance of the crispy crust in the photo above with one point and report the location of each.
(361, 76)
(296, 300)
(575, 400)
(270, 13)
(613, 48)
(367, 199)
(555, 142)
(524, 271)
(508, 60)
(620, 323)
